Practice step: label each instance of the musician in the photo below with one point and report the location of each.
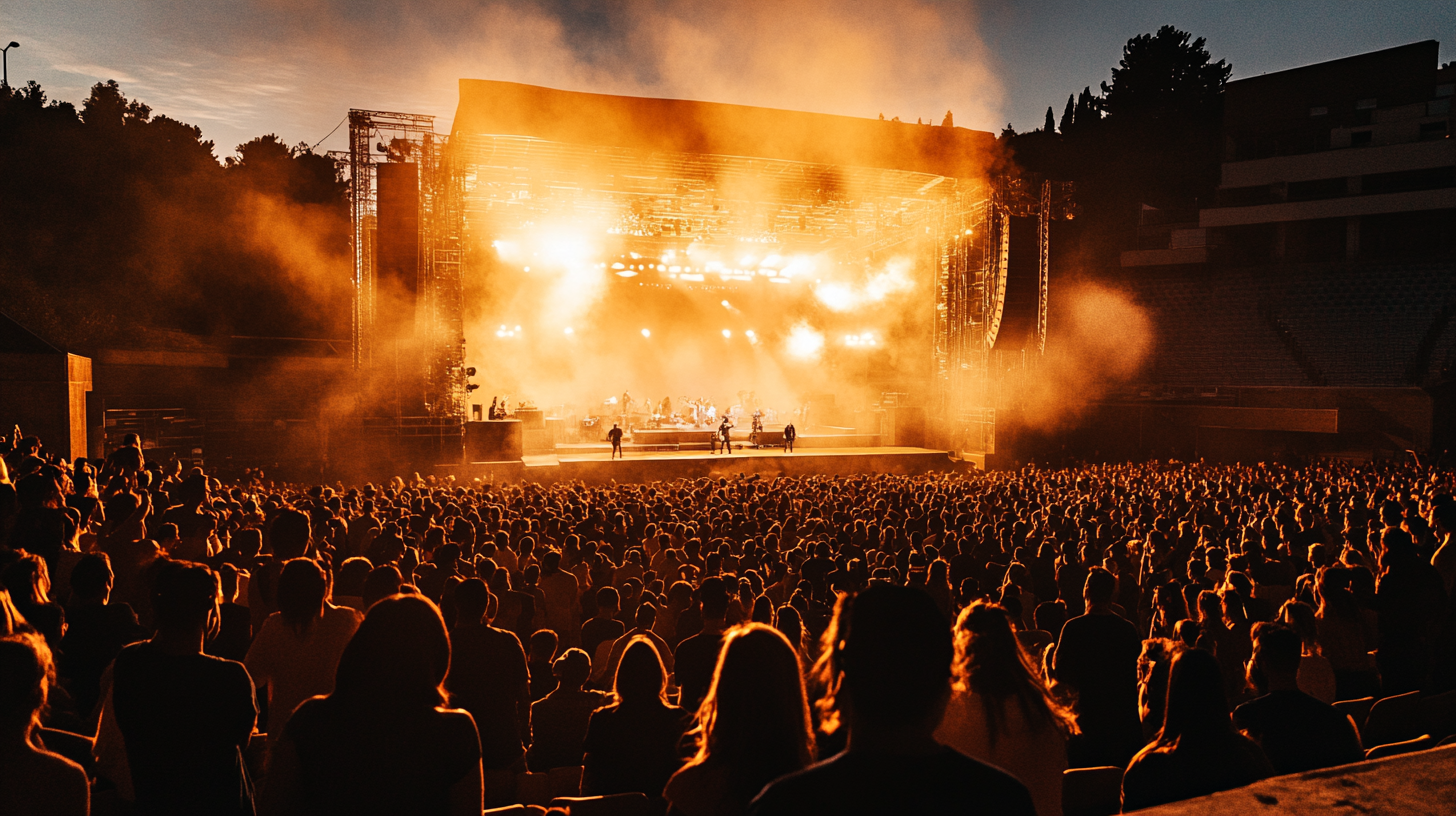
(615, 437)
(725, 435)
(789, 436)
(493, 414)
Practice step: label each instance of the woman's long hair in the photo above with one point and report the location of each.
(755, 720)
(302, 587)
(397, 659)
(640, 675)
(1197, 707)
(989, 661)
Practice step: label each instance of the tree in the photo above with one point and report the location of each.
(1068, 116)
(948, 121)
(1050, 125)
(1166, 76)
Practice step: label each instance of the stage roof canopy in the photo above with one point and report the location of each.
(683, 126)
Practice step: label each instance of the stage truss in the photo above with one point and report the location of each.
(381, 136)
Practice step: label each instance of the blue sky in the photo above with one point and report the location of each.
(241, 68)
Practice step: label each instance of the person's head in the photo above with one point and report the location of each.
(227, 581)
(989, 660)
(349, 581)
(542, 646)
(646, 616)
(755, 719)
(92, 578)
(1299, 616)
(184, 598)
(1210, 607)
(608, 602)
(290, 535)
(572, 669)
(791, 624)
(472, 601)
(640, 677)
(397, 659)
(715, 599)
(1101, 586)
(383, 581)
(893, 651)
(1186, 632)
(1274, 665)
(28, 579)
(27, 673)
(302, 588)
(1197, 705)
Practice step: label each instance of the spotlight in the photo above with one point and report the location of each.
(646, 333)
(727, 305)
(570, 330)
(727, 333)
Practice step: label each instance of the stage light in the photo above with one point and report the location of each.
(646, 333)
(780, 280)
(626, 273)
(619, 266)
(804, 342)
(727, 305)
(518, 328)
(570, 330)
(697, 278)
(526, 268)
(750, 334)
(727, 333)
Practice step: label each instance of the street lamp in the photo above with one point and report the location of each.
(5, 63)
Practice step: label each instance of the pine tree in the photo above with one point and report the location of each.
(1067, 116)
(1051, 122)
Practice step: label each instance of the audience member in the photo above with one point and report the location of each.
(1297, 732)
(889, 654)
(488, 677)
(382, 741)
(32, 779)
(635, 744)
(753, 726)
(559, 720)
(1197, 751)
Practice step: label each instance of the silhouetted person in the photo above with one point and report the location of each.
(1001, 711)
(560, 719)
(538, 661)
(1411, 602)
(296, 654)
(488, 678)
(790, 434)
(615, 437)
(290, 536)
(97, 629)
(633, 744)
(604, 626)
(382, 742)
(1096, 657)
(890, 657)
(235, 622)
(185, 716)
(32, 779)
(753, 727)
(1297, 732)
(1197, 751)
(725, 435)
(696, 657)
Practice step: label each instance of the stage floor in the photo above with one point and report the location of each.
(598, 467)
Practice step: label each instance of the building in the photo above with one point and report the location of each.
(1322, 278)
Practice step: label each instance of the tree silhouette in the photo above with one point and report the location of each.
(1050, 125)
(1068, 116)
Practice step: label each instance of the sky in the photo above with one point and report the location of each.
(243, 68)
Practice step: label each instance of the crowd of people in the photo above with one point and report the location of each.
(171, 643)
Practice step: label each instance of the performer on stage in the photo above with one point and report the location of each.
(789, 436)
(615, 437)
(725, 435)
(493, 414)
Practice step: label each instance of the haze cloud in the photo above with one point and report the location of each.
(295, 66)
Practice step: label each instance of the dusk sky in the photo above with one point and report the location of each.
(241, 68)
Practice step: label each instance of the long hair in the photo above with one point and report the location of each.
(755, 719)
(302, 587)
(989, 661)
(398, 658)
(640, 675)
(1197, 707)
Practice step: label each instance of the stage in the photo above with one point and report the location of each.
(593, 464)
